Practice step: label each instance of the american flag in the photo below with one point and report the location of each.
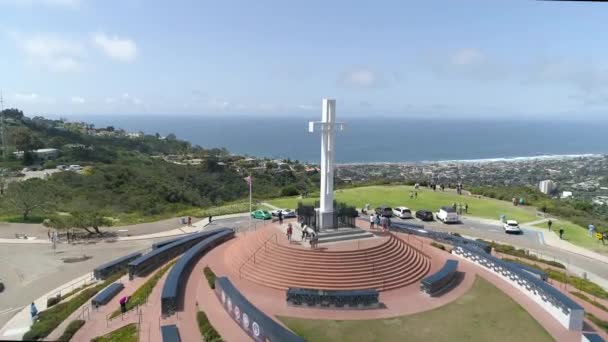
(248, 179)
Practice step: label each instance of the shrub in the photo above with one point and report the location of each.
(53, 300)
(289, 190)
(521, 253)
(589, 300)
(600, 323)
(210, 276)
(579, 283)
(128, 333)
(438, 245)
(141, 294)
(207, 330)
(71, 329)
(49, 319)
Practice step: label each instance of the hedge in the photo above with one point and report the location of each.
(438, 245)
(207, 330)
(210, 276)
(141, 294)
(71, 329)
(589, 300)
(521, 253)
(49, 319)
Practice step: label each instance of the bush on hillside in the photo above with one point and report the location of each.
(289, 190)
(53, 300)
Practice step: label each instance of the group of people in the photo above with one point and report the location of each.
(461, 208)
(379, 221)
(307, 233)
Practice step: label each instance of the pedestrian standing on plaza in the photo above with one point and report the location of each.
(549, 223)
(49, 234)
(210, 217)
(289, 232)
(561, 233)
(189, 221)
(378, 220)
(371, 221)
(280, 215)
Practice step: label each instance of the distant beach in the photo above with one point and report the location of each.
(379, 140)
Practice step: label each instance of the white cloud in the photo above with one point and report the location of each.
(50, 52)
(32, 97)
(126, 98)
(363, 78)
(76, 99)
(65, 3)
(117, 48)
(306, 107)
(467, 57)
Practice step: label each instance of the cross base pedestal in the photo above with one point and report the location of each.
(326, 219)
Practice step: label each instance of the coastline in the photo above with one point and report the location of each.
(482, 160)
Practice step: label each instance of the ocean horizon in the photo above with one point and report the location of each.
(378, 140)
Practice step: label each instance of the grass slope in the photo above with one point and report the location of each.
(427, 199)
(484, 313)
(576, 234)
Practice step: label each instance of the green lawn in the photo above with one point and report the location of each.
(128, 333)
(576, 234)
(484, 313)
(398, 195)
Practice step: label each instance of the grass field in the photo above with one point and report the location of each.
(484, 313)
(577, 235)
(427, 199)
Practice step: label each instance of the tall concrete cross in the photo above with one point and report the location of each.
(327, 126)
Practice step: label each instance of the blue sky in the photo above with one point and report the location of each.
(487, 59)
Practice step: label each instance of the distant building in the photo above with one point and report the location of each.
(43, 153)
(135, 135)
(566, 194)
(547, 187)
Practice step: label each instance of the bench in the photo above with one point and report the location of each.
(339, 299)
(107, 294)
(440, 280)
(105, 270)
(170, 333)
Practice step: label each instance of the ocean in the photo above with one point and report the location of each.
(375, 139)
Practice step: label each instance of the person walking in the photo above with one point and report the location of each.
(189, 221)
(561, 233)
(280, 215)
(591, 230)
(377, 219)
(49, 234)
(289, 232)
(549, 224)
(371, 221)
(33, 311)
(415, 194)
(466, 208)
(604, 238)
(210, 217)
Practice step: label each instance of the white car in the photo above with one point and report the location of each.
(512, 227)
(402, 212)
(447, 215)
(287, 213)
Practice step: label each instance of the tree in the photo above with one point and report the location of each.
(90, 219)
(29, 196)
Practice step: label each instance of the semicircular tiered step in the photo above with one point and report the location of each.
(386, 266)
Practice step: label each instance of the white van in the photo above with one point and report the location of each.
(447, 215)
(402, 212)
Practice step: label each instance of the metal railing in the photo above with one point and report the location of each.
(275, 236)
(73, 286)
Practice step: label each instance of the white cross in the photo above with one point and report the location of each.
(327, 126)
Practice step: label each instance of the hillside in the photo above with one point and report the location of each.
(131, 176)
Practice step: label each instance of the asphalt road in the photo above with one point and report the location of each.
(30, 271)
(530, 239)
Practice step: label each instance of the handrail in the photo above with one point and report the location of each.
(260, 247)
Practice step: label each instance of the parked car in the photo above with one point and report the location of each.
(384, 211)
(512, 227)
(261, 214)
(447, 215)
(75, 168)
(287, 213)
(402, 212)
(424, 215)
